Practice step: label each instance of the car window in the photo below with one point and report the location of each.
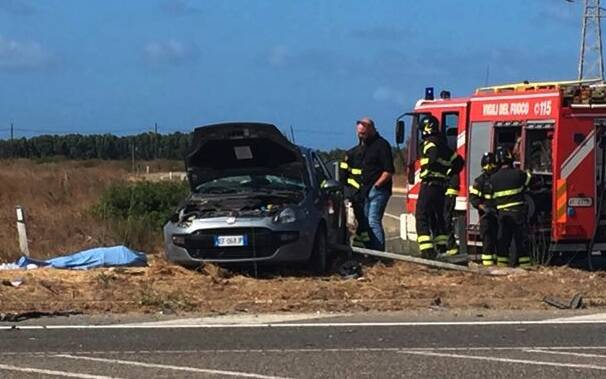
(250, 183)
(320, 171)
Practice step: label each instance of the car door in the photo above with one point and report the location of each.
(332, 201)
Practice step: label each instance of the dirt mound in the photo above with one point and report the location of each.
(214, 290)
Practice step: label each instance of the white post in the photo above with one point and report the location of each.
(170, 175)
(147, 170)
(22, 232)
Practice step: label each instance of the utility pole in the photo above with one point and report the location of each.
(292, 134)
(12, 132)
(591, 59)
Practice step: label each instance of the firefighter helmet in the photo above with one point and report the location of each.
(429, 126)
(503, 156)
(488, 161)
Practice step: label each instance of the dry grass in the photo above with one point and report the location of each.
(57, 198)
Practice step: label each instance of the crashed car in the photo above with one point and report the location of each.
(255, 198)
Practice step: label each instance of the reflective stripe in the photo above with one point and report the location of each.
(510, 205)
(487, 196)
(443, 162)
(452, 192)
(503, 259)
(343, 165)
(425, 246)
(509, 192)
(488, 263)
(436, 174)
(423, 238)
(441, 239)
(474, 191)
(356, 171)
(452, 251)
(353, 183)
(528, 178)
(428, 146)
(486, 257)
(424, 161)
(502, 264)
(523, 260)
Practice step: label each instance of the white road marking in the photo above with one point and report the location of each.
(307, 325)
(585, 355)
(65, 374)
(591, 317)
(170, 367)
(269, 318)
(305, 350)
(505, 360)
(392, 216)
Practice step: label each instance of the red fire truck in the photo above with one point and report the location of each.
(556, 131)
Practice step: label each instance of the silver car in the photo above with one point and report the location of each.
(255, 197)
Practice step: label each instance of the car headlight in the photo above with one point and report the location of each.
(286, 216)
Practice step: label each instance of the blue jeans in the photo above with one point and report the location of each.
(374, 209)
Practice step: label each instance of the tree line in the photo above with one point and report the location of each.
(146, 146)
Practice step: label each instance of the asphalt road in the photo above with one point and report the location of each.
(341, 348)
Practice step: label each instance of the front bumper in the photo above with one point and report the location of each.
(267, 242)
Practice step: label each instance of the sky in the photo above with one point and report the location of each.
(315, 65)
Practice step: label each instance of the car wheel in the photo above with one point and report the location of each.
(318, 261)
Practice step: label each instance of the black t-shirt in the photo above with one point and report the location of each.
(376, 158)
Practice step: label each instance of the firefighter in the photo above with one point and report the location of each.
(350, 175)
(509, 185)
(436, 161)
(480, 198)
(450, 201)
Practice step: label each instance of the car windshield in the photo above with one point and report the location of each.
(250, 183)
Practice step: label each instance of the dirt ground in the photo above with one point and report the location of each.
(212, 290)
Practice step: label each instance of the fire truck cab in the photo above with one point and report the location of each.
(555, 130)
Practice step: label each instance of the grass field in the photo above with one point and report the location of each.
(58, 197)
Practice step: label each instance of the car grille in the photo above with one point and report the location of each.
(261, 242)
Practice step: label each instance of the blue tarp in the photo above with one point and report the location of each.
(99, 257)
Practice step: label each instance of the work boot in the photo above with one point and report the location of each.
(429, 254)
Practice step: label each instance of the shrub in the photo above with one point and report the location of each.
(137, 211)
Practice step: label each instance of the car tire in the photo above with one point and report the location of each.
(318, 262)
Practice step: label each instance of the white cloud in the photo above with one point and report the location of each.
(22, 55)
(387, 94)
(171, 51)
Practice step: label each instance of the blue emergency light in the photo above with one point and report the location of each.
(429, 93)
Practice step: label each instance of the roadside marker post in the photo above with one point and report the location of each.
(21, 230)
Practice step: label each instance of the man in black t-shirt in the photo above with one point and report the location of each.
(377, 172)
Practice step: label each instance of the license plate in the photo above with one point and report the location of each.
(580, 202)
(227, 241)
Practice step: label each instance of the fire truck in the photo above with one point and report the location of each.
(556, 130)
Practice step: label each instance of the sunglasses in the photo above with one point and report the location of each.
(365, 123)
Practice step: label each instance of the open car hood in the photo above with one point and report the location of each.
(240, 147)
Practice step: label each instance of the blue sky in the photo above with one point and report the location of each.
(318, 65)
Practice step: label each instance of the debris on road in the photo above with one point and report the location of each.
(212, 290)
(575, 303)
(18, 317)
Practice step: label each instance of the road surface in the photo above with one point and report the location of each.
(342, 347)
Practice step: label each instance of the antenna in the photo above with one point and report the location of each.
(591, 59)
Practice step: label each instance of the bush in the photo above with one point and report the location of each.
(137, 211)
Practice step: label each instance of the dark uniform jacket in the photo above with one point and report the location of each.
(350, 172)
(508, 186)
(481, 192)
(437, 160)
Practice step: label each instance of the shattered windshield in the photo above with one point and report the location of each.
(250, 183)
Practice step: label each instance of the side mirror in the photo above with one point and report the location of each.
(400, 132)
(331, 185)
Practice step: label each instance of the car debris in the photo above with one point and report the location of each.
(22, 316)
(575, 303)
